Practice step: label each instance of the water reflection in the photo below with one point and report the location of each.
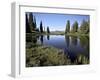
(41, 39)
(34, 39)
(84, 41)
(71, 42)
(48, 37)
(28, 38)
(67, 39)
(77, 47)
(74, 40)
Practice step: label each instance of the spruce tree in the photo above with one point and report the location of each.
(67, 27)
(84, 28)
(28, 30)
(34, 23)
(75, 27)
(41, 27)
(48, 30)
(31, 21)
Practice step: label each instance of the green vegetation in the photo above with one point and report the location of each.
(45, 56)
(32, 22)
(77, 34)
(41, 27)
(39, 55)
(75, 27)
(48, 30)
(84, 28)
(67, 30)
(28, 29)
(76, 30)
(81, 59)
(50, 56)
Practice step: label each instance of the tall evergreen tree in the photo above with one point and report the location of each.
(34, 22)
(41, 27)
(88, 26)
(28, 30)
(75, 27)
(48, 30)
(31, 21)
(84, 28)
(67, 27)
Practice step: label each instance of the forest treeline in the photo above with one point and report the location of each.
(83, 28)
(31, 26)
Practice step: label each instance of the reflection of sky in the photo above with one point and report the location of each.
(58, 21)
(72, 45)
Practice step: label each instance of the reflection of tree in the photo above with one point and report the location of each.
(48, 37)
(82, 59)
(41, 39)
(67, 40)
(34, 39)
(84, 41)
(28, 38)
(74, 40)
(38, 37)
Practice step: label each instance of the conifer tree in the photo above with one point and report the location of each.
(75, 27)
(41, 27)
(48, 30)
(67, 27)
(28, 30)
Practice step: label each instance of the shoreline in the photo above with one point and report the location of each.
(68, 34)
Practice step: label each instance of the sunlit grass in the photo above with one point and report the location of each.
(50, 56)
(45, 56)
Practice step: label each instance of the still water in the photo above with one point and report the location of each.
(72, 45)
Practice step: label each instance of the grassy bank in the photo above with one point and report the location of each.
(50, 56)
(45, 56)
(76, 34)
(58, 33)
